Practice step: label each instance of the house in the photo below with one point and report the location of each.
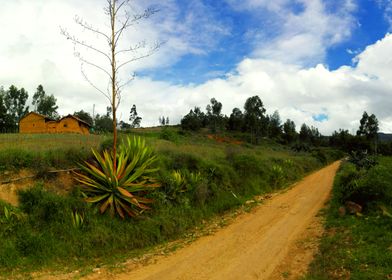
(72, 124)
(37, 123)
(34, 123)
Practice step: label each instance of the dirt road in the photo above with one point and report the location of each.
(255, 246)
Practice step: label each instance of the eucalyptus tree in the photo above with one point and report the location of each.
(45, 104)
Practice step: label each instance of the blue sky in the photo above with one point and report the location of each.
(320, 62)
(228, 50)
(372, 26)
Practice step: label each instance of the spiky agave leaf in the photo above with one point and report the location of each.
(119, 189)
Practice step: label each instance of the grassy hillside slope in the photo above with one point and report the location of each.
(44, 231)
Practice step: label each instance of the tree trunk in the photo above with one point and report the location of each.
(114, 93)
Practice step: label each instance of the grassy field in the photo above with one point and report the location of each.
(45, 151)
(41, 232)
(45, 142)
(358, 246)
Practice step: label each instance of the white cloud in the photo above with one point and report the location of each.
(286, 72)
(386, 5)
(33, 52)
(297, 92)
(298, 32)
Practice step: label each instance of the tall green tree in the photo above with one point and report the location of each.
(4, 118)
(194, 120)
(236, 120)
(215, 118)
(84, 116)
(103, 123)
(368, 129)
(289, 133)
(134, 118)
(15, 104)
(275, 126)
(368, 126)
(45, 104)
(305, 133)
(255, 120)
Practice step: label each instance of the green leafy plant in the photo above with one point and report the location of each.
(176, 184)
(362, 160)
(120, 190)
(277, 176)
(77, 219)
(9, 214)
(180, 182)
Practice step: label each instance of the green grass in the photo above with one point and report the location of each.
(42, 235)
(358, 247)
(45, 142)
(43, 151)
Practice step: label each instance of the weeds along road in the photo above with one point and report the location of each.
(253, 246)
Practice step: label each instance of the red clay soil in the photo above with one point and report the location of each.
(275, 241)
(221, 139)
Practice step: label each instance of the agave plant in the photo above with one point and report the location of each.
(120, 190)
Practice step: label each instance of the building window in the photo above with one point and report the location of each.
(65, 125)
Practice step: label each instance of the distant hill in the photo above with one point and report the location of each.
(384, 137)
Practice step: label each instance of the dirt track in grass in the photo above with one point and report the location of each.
(276, 240)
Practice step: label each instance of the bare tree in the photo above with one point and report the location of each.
(116, 58)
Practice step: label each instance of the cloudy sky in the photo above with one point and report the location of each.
(322, 62)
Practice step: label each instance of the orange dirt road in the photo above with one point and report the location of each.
(253, 246)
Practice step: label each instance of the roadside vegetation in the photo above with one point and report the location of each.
(357, 243)
(200, 177)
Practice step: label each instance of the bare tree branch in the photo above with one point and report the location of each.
(133, 48)
(149, 53)
(79, 42)
(89, 27)
(118, 33)
(92, 84)
(119, 6)
(136, 18)
(115, 85)
(92, 64)
(121, 86)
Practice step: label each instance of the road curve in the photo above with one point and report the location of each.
(253, 246)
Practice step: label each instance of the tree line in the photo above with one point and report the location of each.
(254, 121)
(13, 106)
(104, 122)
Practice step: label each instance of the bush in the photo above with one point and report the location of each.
(168, 134)
(47, 208)
(362, 160)
(362, 186)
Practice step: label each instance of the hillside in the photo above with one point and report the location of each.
(200, 176)
(385, 137)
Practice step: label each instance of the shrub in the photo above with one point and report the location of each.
(364, 186)
(47, 207)
(362, 160)
(246, 165)
(320, 155)
(277, 176)
(168, 134)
